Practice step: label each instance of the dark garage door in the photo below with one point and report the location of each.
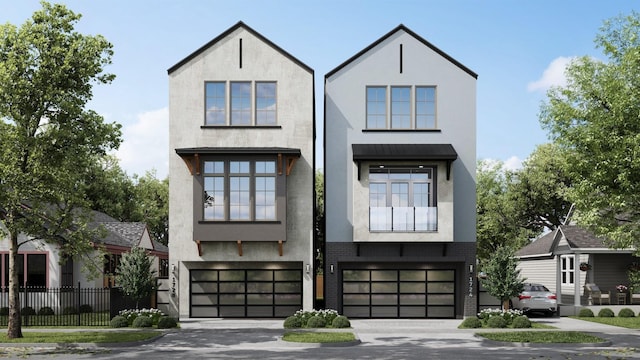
(260, 293)
(398, 293)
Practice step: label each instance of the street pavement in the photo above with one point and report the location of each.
(377, 339)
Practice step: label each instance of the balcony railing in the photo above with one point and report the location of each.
(403, 219)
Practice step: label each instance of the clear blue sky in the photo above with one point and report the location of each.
(512, 45)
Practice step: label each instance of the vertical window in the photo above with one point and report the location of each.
(376, 107)
(567, 271)
(239, 195)
(401, 107)
(401, 199)
(214, 190)
(241, 103)
(215, 103)
(425, 107)
(265, 103)
(265, 190)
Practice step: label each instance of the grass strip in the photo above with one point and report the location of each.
(80, 337)
(629, 323)
(543, 337)
(318, 337)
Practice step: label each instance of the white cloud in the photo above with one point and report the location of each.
(512, 163)
(553, 75)
(145, 144)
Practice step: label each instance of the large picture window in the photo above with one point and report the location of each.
(411, 107)
(32, 270)
(240, 103)
(239, 190)
(401, 199)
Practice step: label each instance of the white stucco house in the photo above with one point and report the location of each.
(400, 191)
(241, 189)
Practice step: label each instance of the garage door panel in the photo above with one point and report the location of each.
(393, 293)
(245, 292)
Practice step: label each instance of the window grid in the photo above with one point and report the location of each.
(239, 190)
(411, 107)
(240, 103)
(567, 269)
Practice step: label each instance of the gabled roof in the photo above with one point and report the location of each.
(238, 25)
(401, 27)
(577, 239)
(123, 234)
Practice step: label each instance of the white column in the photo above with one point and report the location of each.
(559, 279)
(576, 283)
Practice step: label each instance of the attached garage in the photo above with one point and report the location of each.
(398, 293)
(269, 291)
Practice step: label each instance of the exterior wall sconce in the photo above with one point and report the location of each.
(331, 268)
(308, 269)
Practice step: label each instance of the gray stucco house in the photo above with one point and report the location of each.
(400, 192)
(241, 193)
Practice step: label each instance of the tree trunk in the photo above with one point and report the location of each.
(14, 329)
(505, 304)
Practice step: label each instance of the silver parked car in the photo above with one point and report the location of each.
(536, 298)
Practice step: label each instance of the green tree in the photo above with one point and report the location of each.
(538, 190)
(47, 137)
(151, 205)
(319, 223)
(594, 119)
(110, 190)
(135, 274)
(503, 279)
(498, 223)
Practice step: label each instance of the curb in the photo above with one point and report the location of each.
(490, 342)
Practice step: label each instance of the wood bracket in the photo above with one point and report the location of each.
(239, 247)
(280, 247)
(199, 243)
(279, 164)
(290, 162)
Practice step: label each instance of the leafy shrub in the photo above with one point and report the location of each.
(70, 310)
(507, 315)
(340, 321)
(626, 312)
(86, 309)
(471, 323)
(142, 321)
(292, 322)
(606, 312)
(167, 322)
(132, 314)
(521, 322)
(327, 314)
(316, 322)
(46, 311)
(4, 311)
(585, 313)
(119, 322)
(497, 322)
(27, 310)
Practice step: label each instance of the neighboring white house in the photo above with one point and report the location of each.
(400, 191)
(241, 189)
(39, 261)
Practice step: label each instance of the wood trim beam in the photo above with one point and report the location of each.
(239, 247)
(280, 248)
(197, 158)
(199, 243)
(290, 162)
(279, 164)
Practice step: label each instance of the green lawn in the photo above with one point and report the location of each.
(81, 337)
(318, 337)
(630, 322)
(562, 337)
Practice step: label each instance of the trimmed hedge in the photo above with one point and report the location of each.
(626, 312)
(341, 321)
(167, 322)
(497, 322)
(471, 323)
(142, 322)
(316, 322)
(292, 322)
(521, 322)
(606, 312)
(585, 313)
(119, 322)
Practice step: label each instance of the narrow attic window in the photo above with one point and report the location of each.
(400, 58)
(240, 53)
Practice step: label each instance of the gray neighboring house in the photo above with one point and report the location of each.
(554, 260)
(241, 190)
(400, 191)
